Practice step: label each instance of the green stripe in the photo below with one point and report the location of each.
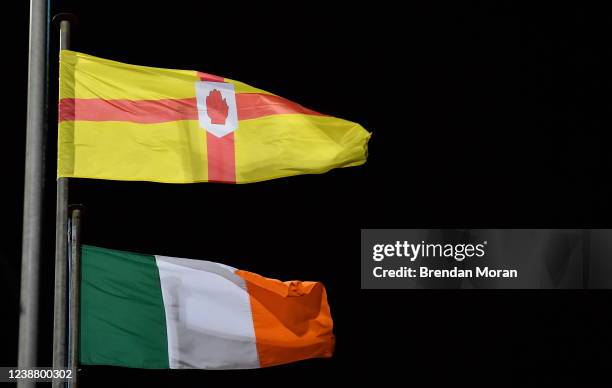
(122, 311)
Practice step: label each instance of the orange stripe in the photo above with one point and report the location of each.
(292, 320)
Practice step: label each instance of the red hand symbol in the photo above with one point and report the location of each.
(216, 107)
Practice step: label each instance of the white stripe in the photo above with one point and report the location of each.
(208, 315)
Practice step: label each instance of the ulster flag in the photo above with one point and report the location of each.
(137, 123)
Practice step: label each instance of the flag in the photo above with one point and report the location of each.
(137, 123)
(144, 311)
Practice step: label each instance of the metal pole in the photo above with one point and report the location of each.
(61, 253)
(586, 258)
(33, 189)
(75, 293)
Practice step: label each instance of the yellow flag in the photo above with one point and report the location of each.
(137, 123)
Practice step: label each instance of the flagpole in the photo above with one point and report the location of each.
(586, 257)
(75, 293)
(33, 189)
(61, 253)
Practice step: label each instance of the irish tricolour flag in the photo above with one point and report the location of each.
(145, 311)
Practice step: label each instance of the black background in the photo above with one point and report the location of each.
(484, 114)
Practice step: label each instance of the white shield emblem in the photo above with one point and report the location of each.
(216, 107)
